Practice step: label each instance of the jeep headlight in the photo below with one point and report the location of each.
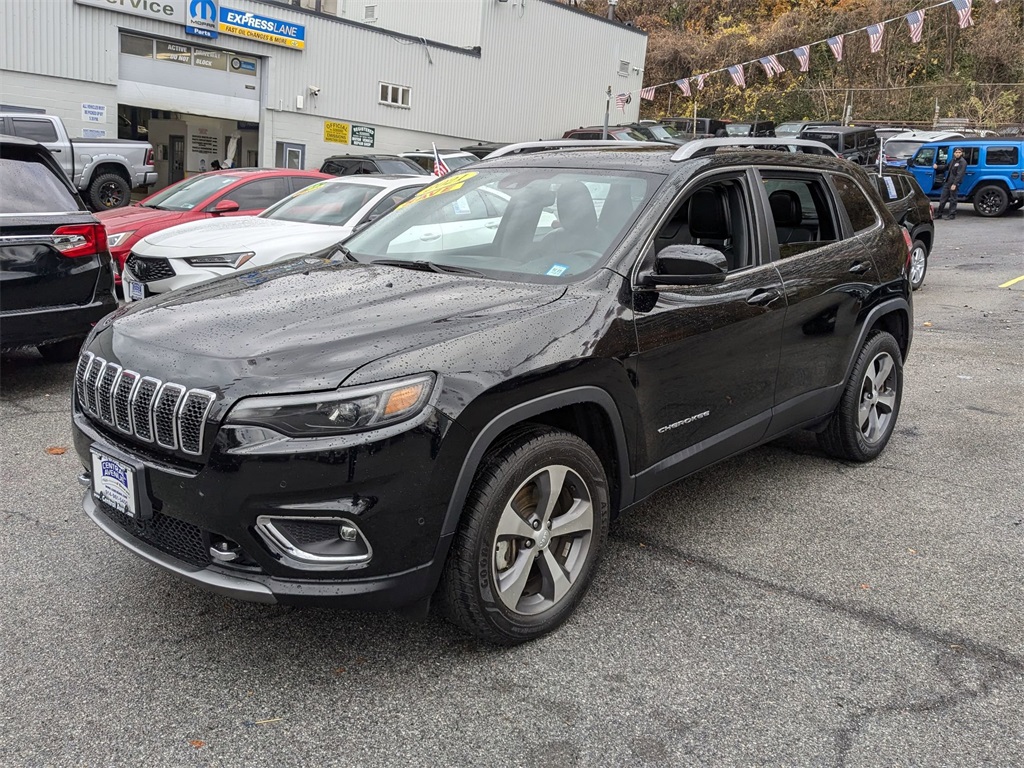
(345, 410)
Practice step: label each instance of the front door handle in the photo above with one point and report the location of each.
(860, 267)
(763, 298)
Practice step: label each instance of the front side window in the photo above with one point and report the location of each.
(260, 194)
(858, 207)
(518, 224)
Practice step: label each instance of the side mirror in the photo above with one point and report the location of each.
(225, 206)
(688, 265)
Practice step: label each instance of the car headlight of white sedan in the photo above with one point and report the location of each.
(233, 260)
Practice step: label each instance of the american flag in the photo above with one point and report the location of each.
(875, 36)
(647, 93)
(915, 20)
(836, 44)
(736, 73)
(700, 82)
(621, 100)
(771, 65)
(440, 169)
(963, 12)
(684, 86)
(803, 55)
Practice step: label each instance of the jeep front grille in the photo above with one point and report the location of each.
(152, 410)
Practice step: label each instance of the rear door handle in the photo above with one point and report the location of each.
(860, 267)
(763, 298)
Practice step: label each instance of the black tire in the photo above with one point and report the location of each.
(991, 200)
(519, 582)
(864, 420)
(61, 351)
(109, 191)
(918, 264)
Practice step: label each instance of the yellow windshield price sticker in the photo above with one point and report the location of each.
(448, 183)
(310, 188)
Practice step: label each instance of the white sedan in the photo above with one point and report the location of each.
(307, 221)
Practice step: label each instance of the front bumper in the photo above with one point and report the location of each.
(387, 488)
(184, 276)
(144, 179)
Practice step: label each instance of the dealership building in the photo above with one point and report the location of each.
(286, 83)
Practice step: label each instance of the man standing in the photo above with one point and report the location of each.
(951, 184)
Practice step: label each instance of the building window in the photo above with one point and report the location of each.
(624, 68)
(137, 46)
(369, 13)
(395, 95)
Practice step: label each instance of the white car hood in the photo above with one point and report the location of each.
(240, 233)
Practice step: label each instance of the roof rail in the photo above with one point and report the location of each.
(545, 146)
(700, 147)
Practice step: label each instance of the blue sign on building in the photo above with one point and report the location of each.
(263, 28)
(201, 18)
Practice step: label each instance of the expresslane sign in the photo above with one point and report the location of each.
(262, 28)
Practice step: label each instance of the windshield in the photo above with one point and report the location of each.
(540, 225)
(324, 203)
(788, 129)
(902, 150)
(401, 165)
(626, 134)
(831, 139)
(38, 190)
(663, 132)
(187, 194)
(458, 161)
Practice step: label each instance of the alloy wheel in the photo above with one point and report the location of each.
(918, 263)
(877, 398)
(110, 195)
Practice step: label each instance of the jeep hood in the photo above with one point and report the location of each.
(303, 324)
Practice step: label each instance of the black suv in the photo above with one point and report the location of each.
(404, 417)
(56, 277)
(910, 206)
(352, 165)
(855, 143)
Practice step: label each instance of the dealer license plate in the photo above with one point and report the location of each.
(136, 291)
(113, 483)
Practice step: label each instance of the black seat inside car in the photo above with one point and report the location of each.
(787, 212)
(710, 224)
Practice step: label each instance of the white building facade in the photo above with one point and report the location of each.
(265, 83)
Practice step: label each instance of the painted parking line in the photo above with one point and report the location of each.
(1012, 282)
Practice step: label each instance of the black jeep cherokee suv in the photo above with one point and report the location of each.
(457, 412)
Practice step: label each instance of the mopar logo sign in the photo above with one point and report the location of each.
(201, 19)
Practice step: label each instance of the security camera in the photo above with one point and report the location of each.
(314, 90)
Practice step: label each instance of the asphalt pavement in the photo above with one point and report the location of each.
(780, 608)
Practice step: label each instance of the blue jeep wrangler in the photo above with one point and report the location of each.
(995, 172)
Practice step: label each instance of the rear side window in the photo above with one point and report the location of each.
(801, 212)
(858, 207)
(36, 130)
(39, 191)
(1003, 155)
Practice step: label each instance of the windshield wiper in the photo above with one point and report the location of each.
(428, 266)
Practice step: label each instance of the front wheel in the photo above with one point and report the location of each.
(918, 264)
(991, 201)
(863, 422)
(533, 528)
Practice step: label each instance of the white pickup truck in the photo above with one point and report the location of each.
(104, 170)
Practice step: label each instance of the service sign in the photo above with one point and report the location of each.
(162, 10)
(262, 28)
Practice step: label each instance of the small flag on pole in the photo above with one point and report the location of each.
(875, 36)
(736, 73)
(684, 86)
(963, 12)
(621, 100)
(803, 55)
(700, 82)
(915, 20)
(647, 93)
(440, 169)
(771, 65)
(836, 44)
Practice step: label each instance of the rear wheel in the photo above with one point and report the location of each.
(61, 351)
(108, 190)
(991, 201)
(918, 264)
(534, 526)
(863, 422)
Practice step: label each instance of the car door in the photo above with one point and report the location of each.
(708, 355)
(973, 156)
(827, 274)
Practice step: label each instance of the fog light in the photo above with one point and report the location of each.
(315, 543)
(348, 533)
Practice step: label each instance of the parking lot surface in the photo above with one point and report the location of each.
(779, 608)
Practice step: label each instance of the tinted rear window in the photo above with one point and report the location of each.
(1003, 156)
(861, 213)
(39, 191)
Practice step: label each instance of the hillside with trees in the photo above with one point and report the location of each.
(975, 73)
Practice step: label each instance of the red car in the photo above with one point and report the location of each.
(233, 192)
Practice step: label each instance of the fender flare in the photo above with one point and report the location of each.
(523, 412)
(886, 308)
